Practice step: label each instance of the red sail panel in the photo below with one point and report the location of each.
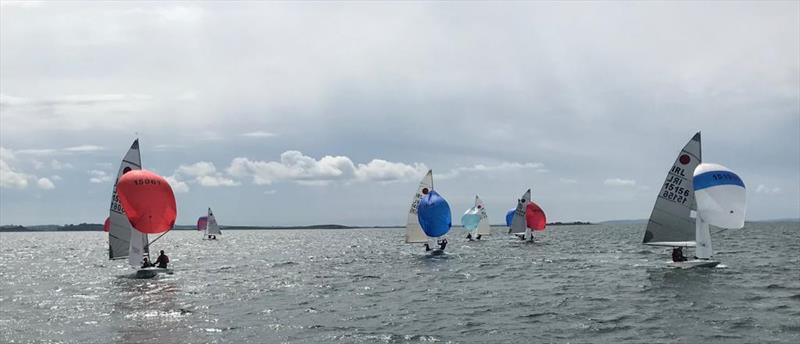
(202, 222)
(148, 201)
(107, 225)
(534, 217)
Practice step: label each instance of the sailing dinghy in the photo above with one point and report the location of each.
(429, 216)
(694, 195)
(476, 221)
(527, 217)
(208, 224)
(124, 241)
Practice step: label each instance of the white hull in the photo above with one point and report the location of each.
(152, 272)
(694, 263)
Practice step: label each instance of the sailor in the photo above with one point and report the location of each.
(469, 236)
(162, 260)
(677, 255)
(146, 263)
(427, 247)
(442, 244)
(479, 236)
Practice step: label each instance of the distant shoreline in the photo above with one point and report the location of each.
(96, 227)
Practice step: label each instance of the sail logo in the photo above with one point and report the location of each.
(147, 182)
(678, 170)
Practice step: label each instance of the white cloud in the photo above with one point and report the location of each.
(58, 165)
(763, 189)
(205, 174)
(10, 178)
(501, 167)
(84, 148)
(55, 177)
(258, 134)
(296, 167)
(387, 171)
(177, 185)
(45, 184)
(99, 176)
(619, 182)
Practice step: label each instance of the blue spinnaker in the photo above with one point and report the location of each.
(433, 213)
(510, 216)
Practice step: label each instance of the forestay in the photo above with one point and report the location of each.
(414, 233)
(670, 223)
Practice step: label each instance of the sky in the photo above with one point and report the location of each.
(278, 113)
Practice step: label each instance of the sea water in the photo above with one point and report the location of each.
(592, 283)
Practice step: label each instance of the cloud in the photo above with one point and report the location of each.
(619, 182)
(58, 165)
(10, 178)
(45, 184)
(205, 174)
(296, 167)
(84, 148)
(567, 181)
(501, 167)
(256, 134)
(177, 185)
(763, 189)
(99, 176)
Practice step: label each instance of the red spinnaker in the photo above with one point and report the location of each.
(534, 217)
(148, 201)
(202, 222)
(107, 225)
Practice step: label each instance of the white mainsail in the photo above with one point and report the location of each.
(518, 223)
(414, 233)
(671, 223)
(120, 229)
(483, 226)
(211, 225)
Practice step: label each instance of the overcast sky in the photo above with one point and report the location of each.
(301, 113)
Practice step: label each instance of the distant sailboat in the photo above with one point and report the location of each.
(414, 233)
(211, 229)
(527, 217)
(692, 196)
(476, 221)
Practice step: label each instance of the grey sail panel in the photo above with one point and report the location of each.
(518, 224)
(670, 223)
(119, 234)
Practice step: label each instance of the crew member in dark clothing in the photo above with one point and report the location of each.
(146, 263)
(162, 260)
(427, 247)
(442, 244)
(677, 255)
(479, 236)
(469, 236)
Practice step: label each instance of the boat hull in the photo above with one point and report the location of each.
(694, 263)
(152, 272)
(436, 252)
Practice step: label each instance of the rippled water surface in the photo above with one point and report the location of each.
(579, 284)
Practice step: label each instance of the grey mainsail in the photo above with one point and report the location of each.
(670, 222)
(119, 234)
